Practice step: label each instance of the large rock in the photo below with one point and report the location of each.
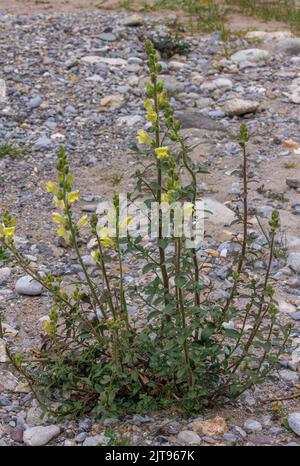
(293, 261)
(40, 435)
(250, 55)
(240, 106)
(288, 46)
(28, 286)
(217, 213)
(294, 422)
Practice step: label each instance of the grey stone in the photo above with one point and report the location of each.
(107, 36)
(251, 425)
(289, 376)
(229, 437)
(217, 213)
(80, 437)
(28, 286)
(294, 422)
(43, 143)
(85, 424)
(95, 440)
(40, 435)
(295, 315)
(196, 120)
(112, 421)
(35, 102)
(288, 46)
(188, 437)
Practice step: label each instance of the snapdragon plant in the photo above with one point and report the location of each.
(191, 349)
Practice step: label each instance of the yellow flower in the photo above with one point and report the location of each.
(188, 208)
(127, 221)
(95, 255)
(82, 222)
(162, 99)
(9, 232)
(59, 203)
(73, 196)
(64, 234)
(162, 152)
(152, 117)
(57, 218)
(143, 137)
(148, 104)
(168, 197)
(105, 239)
(52, 187)
(1, 230)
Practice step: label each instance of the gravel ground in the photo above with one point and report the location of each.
(75, 77)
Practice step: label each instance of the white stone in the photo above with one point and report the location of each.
(94, 59)
(238, 106)
(251, 55)
(28, 286)
(219, 83)
(5, 273)
(251, 425)
(130, 120)
(40, 435)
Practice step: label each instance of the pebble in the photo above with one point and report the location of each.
(296, 315)
(5, 273)
(28, 286)
(251, 425)
(238, 107)
(35, 102)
